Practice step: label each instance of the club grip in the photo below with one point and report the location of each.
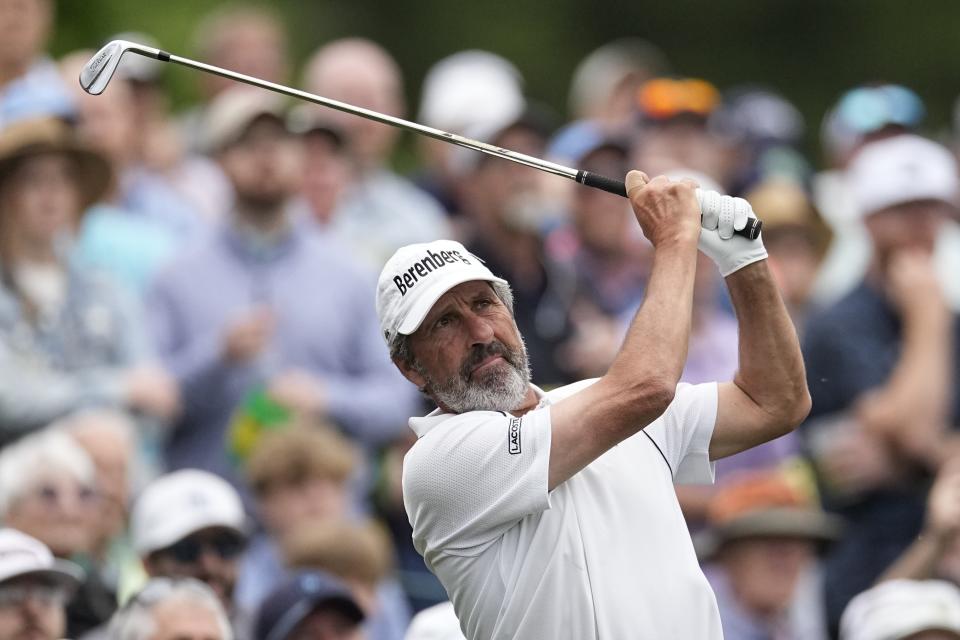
(706, 199)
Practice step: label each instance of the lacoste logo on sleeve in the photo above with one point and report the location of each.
(513, 436)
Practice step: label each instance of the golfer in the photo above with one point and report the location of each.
(553, 515)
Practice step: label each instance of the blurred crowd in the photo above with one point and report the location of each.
(201, 431)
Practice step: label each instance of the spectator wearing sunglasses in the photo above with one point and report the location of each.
(34, 587)
(171, 609)
(48, 491)
(191, 524)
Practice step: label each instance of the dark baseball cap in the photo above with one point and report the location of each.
(299, 596)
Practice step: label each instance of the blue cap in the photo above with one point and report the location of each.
(299, 596)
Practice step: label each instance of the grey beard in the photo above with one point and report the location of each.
(504, 388)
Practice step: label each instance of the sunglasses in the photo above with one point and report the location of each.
(227, 546)
(16, 594)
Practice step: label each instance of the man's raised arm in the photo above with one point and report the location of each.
(768, 396)
(642, 380)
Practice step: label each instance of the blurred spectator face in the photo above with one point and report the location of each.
(111, 450)
(108, 122)
(497, 192)
(908, 226)
(24, 27)
(59, 511)
(39, 201)
(248, 40)
(287, 505)
(265, 165)
(326, 623)
(326, 173)
(764, 572)
(31, 608)
(184, 620)
(210, 555)
(683, 143)
(603, 220)
(360, 73)
(795, 263)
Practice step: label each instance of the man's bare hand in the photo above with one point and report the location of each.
(943, 504)
(152, 390)
(912, 284)
(667, 211)
(247, 336)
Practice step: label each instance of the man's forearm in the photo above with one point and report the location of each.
(770, 368)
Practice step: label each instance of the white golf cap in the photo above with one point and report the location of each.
(23, 555)
(471, 88)
(181, 503)
(904, 168)
(416, 276)
(900, 608)
(233, 111)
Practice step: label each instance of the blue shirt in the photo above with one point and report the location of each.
(325, 323)
(849, 349)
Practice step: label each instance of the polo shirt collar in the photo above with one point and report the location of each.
(424, 424)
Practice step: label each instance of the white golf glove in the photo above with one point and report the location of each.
(720, 217)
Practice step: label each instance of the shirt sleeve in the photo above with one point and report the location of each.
(473, 477)
(684, 431)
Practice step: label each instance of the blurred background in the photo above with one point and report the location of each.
(197, 406)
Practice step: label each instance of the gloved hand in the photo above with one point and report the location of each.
(720, 217)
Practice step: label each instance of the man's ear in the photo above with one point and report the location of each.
(410, 373)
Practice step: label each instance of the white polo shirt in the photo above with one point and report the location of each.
(606, 555)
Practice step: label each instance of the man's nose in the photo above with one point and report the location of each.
(480, 329)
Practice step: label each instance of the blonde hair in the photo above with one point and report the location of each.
(300, 452)
(350, 551)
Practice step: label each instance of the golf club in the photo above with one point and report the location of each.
(97, 73)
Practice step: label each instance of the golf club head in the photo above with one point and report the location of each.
(97, 73)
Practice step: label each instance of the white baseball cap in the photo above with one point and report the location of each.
(900, 608)
(180, 503)
(904, 168)
(22, 555)
(416, 276)
(233, 111)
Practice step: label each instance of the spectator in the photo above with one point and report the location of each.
(326, 165)
(761, 546)
(381, 211)
(171, 609)
(143, 196)
(674, 116)
(29, 83)
(504, 210)
(70, 338)
(461, 92)
(881, 364)
(49, 492)
(34, 587)
(191, 524)
(601, 248)
(361, 556)
(796, 238)
(310, 606)
(316, 353)
(109, 438)
(298, 474)
(904, 610)
(935, 553)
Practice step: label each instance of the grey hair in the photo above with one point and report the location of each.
(400, 344)
(36, 455)
(134, 620)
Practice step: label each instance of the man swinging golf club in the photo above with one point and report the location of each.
(553, 515)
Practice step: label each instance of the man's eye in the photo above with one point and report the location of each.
(443, 321)
(484, 303)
